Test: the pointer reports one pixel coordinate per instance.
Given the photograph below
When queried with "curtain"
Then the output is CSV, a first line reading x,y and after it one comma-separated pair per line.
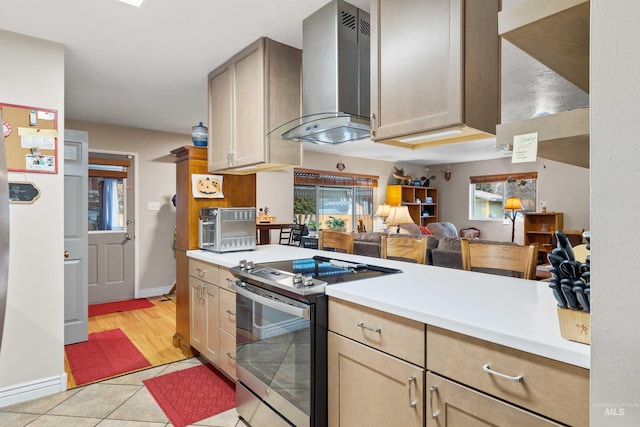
x,y
110,211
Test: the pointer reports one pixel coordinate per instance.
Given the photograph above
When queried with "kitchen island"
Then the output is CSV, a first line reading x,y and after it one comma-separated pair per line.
x,y
516,313
460,343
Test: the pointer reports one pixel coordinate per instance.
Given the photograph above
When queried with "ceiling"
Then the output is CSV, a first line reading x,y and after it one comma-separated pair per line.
x,y
148,67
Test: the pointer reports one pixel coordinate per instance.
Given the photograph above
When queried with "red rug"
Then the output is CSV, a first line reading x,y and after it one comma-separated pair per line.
x,y
104,355
116,306
192,394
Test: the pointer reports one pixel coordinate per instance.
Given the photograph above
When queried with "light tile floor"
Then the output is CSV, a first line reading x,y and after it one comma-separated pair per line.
x,y
117,402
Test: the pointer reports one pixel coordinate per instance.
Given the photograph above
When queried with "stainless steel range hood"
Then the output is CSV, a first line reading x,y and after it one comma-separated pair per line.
x,y
335,77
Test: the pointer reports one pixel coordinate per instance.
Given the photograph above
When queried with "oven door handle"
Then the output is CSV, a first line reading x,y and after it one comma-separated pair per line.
x,y
273,303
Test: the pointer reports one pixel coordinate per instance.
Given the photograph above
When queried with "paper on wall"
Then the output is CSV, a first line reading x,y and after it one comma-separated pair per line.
x,y
525,148
207,186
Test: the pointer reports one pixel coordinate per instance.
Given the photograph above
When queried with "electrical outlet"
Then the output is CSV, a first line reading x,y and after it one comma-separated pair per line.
x,y
153,206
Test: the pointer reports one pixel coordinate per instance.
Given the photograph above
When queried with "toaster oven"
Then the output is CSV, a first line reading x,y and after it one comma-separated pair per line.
x,y
227,229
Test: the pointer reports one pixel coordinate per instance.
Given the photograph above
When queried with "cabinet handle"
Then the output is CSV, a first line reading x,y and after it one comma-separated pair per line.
x,y
436,412
230,356
412,403
488,370
373,124
231,313
230,282
363,326
201,272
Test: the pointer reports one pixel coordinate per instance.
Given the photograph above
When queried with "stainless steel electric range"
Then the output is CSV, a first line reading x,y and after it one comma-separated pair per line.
x,y
281,337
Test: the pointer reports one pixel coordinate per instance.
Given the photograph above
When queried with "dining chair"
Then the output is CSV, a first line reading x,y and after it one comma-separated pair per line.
x,y
506,259
297,231
404,248
336,240
286,231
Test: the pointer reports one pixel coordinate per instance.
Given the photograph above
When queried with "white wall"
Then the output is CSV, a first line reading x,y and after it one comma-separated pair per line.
x,y
32,73
615,152
156,183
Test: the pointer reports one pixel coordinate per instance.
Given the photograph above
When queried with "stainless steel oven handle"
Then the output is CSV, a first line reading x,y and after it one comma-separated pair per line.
x,y
275,304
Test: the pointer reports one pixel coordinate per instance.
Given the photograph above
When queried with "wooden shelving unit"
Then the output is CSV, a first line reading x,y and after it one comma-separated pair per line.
x,y
422,212
539,227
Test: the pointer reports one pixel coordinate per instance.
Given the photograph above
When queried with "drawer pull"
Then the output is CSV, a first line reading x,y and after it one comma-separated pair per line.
x,y
488,370
230,356
231,313
362,325
434,412
412,403
201,272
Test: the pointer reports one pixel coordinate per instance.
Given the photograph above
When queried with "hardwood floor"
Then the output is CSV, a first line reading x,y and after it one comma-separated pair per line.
x,y
150,330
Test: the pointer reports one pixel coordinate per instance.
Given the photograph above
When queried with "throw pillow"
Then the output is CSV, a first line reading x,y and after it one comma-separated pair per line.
x,y
425,230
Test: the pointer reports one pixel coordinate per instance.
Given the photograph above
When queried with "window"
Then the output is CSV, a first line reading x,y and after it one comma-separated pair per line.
x,y
487,194
317,195
107,184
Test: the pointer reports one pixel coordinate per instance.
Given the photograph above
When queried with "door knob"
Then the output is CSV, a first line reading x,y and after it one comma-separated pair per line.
x,y
128,236
66,254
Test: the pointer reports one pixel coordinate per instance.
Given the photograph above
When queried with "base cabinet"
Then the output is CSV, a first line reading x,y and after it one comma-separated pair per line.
x,y
204,318
213,317
370,388
453,405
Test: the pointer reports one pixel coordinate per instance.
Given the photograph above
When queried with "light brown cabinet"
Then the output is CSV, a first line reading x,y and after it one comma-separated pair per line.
x,y
213,317
422,202
375,367
434,68
254,92
539,227
450,404
543,386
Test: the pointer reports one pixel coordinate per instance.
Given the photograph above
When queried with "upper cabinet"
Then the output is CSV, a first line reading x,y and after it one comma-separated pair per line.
x,y
435,71
556,33
257,90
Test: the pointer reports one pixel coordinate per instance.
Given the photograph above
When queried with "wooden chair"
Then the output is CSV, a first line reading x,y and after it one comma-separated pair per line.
x,y
336,240
404,247
500,258
580,252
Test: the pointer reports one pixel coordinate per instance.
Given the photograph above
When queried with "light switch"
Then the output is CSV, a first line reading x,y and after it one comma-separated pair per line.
x,y
153,206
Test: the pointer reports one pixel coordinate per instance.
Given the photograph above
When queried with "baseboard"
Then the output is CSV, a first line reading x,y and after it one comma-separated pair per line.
x,y
24,392
153,292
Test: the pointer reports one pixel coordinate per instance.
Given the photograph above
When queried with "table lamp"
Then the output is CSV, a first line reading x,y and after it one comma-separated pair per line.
x,y
399,215
383,212
513,204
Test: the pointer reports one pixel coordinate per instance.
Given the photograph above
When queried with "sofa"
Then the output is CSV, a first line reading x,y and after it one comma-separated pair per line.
x,y
443,242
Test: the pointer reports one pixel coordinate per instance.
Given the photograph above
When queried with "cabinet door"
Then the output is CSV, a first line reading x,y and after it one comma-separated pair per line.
x,y
371,388
416,66
220,117
450,404
227,360
212,298
249,106
198,317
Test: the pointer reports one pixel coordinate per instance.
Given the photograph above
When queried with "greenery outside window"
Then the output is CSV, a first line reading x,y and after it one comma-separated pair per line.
x,y
320,195
488,193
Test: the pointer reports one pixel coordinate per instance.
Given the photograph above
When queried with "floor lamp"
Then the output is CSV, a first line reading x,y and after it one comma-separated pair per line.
x,y
513,204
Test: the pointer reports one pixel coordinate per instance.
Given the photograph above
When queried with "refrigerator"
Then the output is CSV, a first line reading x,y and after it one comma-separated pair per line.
x,y
4,231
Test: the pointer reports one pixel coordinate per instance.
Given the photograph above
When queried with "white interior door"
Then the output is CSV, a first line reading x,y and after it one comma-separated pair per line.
x,y
111,245
75,236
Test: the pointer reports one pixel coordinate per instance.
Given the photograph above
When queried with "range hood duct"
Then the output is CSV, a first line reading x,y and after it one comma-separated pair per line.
x,y
335,77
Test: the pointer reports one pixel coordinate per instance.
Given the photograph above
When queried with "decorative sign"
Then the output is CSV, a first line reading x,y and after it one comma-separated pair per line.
x,y
207,186
23,192
525,148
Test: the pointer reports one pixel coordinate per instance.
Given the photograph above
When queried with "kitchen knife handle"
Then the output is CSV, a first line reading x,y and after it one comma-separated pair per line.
x,y
562,302
436,412
486,368
567,290
368,328
412,403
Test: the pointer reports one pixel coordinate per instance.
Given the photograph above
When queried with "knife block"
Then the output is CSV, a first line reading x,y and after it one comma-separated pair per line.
x,y
575,325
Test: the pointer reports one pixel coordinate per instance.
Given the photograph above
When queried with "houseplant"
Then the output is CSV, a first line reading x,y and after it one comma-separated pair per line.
x,y
334,223
312,226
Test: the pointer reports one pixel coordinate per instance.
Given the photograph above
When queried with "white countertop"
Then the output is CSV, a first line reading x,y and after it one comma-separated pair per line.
x,y
513,312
